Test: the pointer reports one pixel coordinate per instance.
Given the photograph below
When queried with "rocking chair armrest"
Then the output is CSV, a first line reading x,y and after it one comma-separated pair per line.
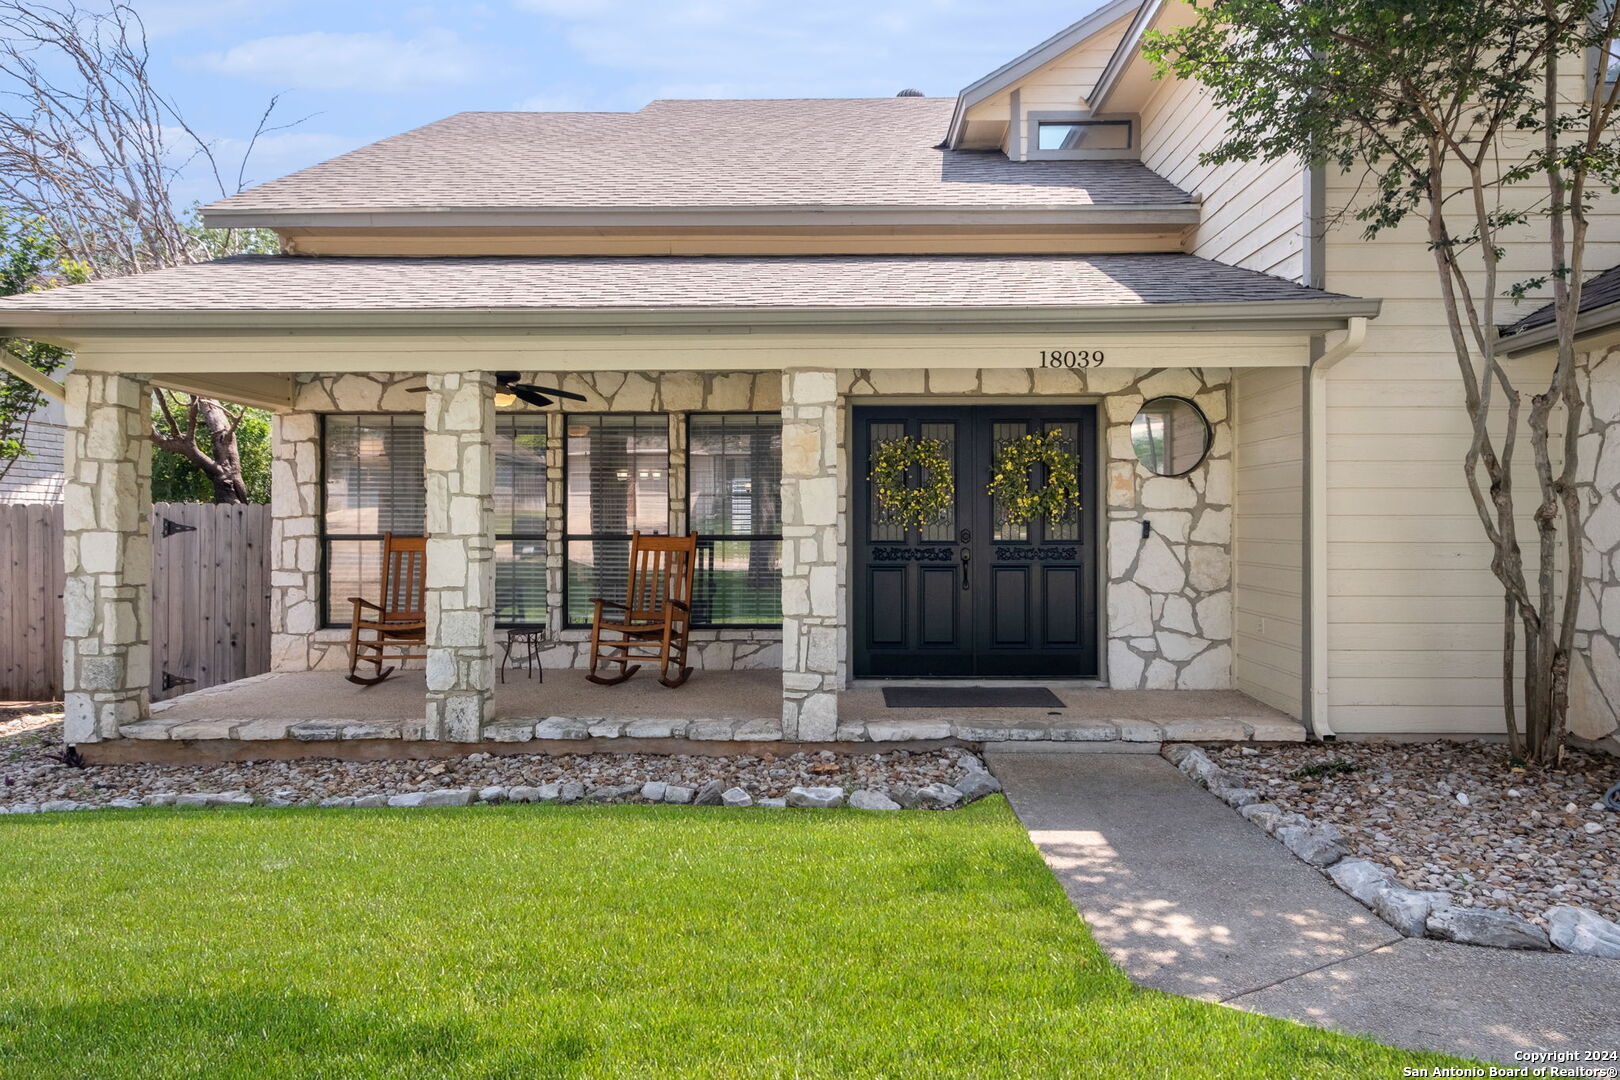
x,y
679,605
602,603
360,601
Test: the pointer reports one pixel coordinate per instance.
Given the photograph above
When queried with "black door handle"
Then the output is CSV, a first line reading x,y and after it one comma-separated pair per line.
x,y
967,557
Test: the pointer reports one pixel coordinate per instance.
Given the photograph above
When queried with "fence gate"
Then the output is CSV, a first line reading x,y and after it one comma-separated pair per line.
x,y
210,595
210,598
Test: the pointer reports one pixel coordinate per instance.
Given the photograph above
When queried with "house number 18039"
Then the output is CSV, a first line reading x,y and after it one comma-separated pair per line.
x,y
1071,358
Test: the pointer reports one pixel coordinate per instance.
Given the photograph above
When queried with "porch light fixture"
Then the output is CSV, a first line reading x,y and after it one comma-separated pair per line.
x,y
505,399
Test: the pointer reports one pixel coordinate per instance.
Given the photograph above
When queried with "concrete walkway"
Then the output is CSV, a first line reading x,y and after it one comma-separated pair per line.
x,y
1189,897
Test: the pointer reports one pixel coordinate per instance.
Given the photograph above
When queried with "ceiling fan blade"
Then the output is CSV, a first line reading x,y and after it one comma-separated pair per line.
x,y
526,393
416,389
569,394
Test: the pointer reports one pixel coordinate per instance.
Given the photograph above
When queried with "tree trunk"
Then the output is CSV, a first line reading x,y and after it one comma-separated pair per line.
x,y
224,467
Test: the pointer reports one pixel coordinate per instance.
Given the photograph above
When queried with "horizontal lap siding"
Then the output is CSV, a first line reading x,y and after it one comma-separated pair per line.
x,y
1415,614
1252,212
1268,535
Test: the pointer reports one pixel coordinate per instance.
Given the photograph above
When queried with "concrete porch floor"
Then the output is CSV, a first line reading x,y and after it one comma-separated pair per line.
x,y
714,706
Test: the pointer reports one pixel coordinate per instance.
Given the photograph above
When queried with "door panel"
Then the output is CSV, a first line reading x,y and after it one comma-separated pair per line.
x,y
973,594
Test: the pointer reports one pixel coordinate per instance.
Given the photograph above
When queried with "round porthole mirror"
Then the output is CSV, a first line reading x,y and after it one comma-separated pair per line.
x,y
1170,436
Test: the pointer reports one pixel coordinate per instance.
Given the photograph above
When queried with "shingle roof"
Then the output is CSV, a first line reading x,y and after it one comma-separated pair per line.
x,y
877,152
1596,292
282,283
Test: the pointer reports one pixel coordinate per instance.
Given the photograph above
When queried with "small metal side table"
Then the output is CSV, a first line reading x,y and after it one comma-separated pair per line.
x,y
528,635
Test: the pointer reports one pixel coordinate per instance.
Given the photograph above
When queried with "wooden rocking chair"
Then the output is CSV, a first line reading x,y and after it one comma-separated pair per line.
x,y
656,616
400,620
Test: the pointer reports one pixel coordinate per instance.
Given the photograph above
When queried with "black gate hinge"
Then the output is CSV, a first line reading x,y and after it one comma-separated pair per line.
x,y
172,681
170,527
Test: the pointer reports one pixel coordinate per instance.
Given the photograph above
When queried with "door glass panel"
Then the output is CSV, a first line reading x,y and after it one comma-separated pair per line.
x,y
1000,436
1068,526
945,435
882,529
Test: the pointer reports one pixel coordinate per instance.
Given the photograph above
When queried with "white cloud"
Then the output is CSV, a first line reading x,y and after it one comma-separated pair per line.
x,y
378,63
764,48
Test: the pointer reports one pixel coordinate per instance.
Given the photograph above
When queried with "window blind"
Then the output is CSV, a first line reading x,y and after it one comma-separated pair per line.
x,y
734,484
617,479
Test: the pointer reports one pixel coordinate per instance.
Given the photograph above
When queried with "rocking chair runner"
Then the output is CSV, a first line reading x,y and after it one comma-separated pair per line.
x,y
656,616
400,620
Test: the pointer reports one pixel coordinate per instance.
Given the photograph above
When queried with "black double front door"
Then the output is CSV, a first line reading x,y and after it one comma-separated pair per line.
x,y
975,595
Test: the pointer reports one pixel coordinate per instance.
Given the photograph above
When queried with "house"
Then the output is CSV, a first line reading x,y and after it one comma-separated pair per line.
x,y
751,298
36,476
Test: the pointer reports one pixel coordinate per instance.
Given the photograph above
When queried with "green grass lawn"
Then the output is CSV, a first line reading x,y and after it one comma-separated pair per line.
x,y
615,941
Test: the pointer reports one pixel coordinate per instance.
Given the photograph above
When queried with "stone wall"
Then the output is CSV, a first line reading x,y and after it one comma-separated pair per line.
x,y
297,641
1169,597
1594,705
107,556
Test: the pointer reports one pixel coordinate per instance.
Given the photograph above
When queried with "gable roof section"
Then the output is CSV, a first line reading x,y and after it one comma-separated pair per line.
x,y
814,161
1044,53
1600,309
1128,49
269,290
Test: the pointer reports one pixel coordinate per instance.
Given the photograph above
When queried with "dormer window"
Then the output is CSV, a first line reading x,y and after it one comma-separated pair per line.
x,y
1063,135
1083,135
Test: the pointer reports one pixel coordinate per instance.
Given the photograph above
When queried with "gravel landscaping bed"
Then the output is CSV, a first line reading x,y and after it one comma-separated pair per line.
x,y
1444,838
34,777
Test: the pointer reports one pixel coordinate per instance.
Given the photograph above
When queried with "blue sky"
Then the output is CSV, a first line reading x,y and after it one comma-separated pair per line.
x,y
363,70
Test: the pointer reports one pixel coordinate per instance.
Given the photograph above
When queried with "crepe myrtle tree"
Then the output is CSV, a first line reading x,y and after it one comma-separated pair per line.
x,y
1488,122
92,151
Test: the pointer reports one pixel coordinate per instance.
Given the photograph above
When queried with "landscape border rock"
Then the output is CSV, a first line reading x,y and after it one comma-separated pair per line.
x,y
1412,912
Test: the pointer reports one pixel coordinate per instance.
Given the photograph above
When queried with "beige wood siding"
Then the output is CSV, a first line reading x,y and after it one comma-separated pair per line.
x,y
1268,535
1414,611
1253,213
1065,82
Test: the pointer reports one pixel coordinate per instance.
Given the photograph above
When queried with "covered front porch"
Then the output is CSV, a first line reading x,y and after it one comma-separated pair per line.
x,y
1171,589
319,713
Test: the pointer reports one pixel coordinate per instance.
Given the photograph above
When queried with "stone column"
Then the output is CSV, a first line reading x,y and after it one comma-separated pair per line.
x,y
459,466
107,555
812,616
295,562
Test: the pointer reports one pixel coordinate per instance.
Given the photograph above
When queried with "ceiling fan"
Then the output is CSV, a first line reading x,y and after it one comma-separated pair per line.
x,y
509,390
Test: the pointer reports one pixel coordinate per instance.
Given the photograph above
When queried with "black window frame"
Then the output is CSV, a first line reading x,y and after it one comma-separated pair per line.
x,y
544,536
325,538
568,537
711,537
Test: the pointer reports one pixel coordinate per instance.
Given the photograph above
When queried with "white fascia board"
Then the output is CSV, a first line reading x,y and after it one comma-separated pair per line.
x,y
449,217
1314,315
1033,60
1593,328
1127,50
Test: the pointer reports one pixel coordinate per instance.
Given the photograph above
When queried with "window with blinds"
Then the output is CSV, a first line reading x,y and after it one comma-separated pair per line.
x,y
617,479
734,485
373,484
520,519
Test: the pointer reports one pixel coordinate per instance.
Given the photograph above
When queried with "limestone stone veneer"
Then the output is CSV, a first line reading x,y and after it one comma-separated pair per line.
x,y
1594,691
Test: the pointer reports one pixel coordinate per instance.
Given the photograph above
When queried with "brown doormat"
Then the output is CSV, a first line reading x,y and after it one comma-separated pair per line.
x,y
970,697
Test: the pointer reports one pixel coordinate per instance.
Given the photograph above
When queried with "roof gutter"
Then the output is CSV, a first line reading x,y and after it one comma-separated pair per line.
x,y
1594,320
1311,315
633,217
1316,513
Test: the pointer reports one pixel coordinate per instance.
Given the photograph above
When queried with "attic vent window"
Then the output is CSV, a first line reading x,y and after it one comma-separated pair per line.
x,y
1084,135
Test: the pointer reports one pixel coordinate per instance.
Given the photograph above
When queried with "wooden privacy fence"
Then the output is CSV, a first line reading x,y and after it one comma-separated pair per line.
x,y
210,598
